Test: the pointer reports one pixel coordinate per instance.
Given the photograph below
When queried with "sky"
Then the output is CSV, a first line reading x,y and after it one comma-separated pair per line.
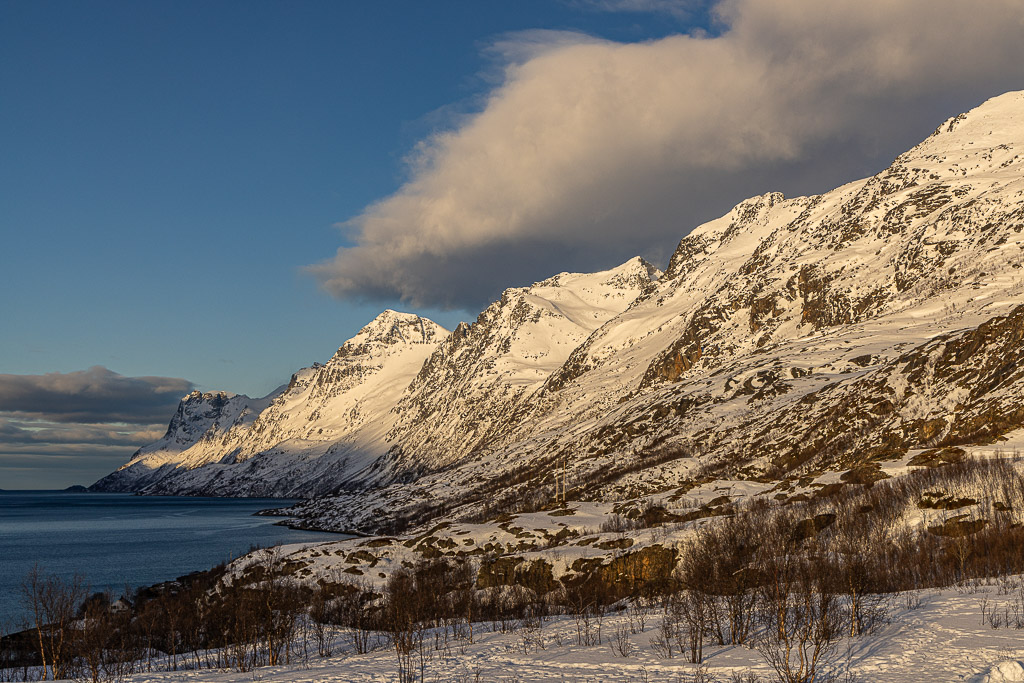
x,y
211,196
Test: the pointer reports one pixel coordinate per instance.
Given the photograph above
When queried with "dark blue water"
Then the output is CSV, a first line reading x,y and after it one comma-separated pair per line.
x,y
115,540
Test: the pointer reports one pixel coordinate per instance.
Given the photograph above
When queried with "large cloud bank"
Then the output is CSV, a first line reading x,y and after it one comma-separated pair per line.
x,y
93,395
589,151
79,424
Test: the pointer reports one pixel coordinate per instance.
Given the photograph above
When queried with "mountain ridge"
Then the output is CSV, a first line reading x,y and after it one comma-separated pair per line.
x,y
282,437
780,312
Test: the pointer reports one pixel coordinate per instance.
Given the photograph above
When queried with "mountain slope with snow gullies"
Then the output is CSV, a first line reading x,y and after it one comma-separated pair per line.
x,y
481,380
201,424
309,438
788,337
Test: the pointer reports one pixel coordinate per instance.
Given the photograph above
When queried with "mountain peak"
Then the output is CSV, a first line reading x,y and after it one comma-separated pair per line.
x,y
196,396
636,271
392,327
1001,116
981,142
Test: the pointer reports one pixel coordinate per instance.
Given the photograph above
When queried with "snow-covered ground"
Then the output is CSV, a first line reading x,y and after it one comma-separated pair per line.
x,y
931,636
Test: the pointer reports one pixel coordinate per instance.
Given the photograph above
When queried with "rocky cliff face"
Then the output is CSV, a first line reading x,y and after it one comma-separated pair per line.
x,y
201,423
310,437
788,336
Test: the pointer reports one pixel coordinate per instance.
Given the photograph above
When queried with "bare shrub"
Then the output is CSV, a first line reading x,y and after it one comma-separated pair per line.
x,y
52,602
664,642
620,644
802,624
637,616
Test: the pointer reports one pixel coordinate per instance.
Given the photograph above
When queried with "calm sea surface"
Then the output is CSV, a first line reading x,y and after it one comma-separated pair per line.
x,y
115,539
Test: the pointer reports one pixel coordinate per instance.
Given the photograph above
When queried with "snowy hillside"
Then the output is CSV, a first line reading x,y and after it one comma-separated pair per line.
x,y
308,439
476,386
934,636
789,337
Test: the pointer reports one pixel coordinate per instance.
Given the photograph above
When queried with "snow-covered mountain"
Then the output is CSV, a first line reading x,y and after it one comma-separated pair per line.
x,y
201,424
478,384
402,385
306,438
788,336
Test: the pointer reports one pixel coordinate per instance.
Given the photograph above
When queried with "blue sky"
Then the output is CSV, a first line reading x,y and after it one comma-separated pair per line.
x,y
169,167
170,170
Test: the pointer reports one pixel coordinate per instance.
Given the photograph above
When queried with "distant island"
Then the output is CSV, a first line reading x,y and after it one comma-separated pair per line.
x,y
77,488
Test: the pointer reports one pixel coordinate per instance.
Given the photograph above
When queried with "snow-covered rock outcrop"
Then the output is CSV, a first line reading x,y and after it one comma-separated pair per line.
x,y
307,438
199,427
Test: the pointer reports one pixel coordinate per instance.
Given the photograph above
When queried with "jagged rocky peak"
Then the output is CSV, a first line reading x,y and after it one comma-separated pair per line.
x,y
635,272
480,378
391,339
982,145
941,220
197,413
531,330
704,239
392,328
567,304
332,413
969,152
196,405
210,397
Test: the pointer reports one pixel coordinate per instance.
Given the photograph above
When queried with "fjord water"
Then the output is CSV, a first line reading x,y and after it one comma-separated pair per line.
x,y
116,540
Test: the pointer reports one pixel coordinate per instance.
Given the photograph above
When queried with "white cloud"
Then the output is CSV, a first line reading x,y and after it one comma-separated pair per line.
x,y
591,151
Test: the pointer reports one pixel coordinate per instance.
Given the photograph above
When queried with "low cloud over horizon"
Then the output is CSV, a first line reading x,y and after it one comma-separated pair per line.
x,y
82,424
590,151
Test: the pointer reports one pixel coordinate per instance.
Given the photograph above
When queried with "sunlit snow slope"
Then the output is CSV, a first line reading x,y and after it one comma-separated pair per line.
x,y
789,335
310,438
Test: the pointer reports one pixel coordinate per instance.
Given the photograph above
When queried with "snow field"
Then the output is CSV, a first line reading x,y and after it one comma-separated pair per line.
x,y
931,637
